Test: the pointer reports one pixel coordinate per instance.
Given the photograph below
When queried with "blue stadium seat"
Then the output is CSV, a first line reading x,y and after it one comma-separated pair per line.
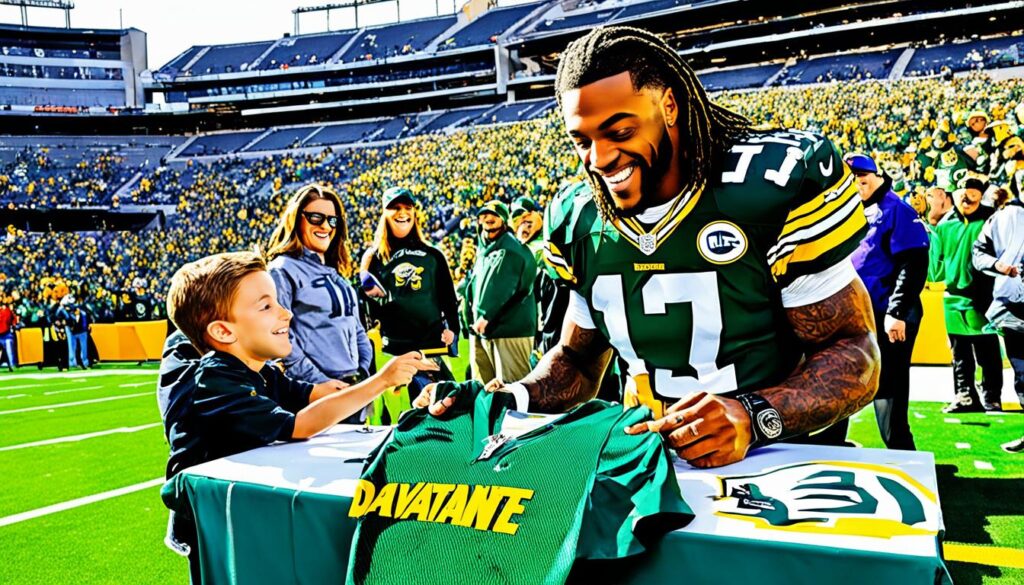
x,y
220,143
397,39
180,61
282,138
305,50
463,116
738,78
594,18
483,30
344,133
842,67
228,58
988,53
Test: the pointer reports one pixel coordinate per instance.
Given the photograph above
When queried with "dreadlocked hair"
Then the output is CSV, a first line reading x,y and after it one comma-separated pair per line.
x,y
652,64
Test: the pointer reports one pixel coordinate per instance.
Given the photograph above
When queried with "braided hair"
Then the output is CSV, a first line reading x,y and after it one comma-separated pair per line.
x,y
652,64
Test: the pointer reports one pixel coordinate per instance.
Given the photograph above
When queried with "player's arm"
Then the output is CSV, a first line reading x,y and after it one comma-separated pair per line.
x,y
571,372
840,374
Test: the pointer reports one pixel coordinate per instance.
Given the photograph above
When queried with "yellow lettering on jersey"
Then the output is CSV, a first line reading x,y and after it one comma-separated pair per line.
x,y
362,498
512,506
443,503
406,494
455,507
441,491
421,505
638,267
384,501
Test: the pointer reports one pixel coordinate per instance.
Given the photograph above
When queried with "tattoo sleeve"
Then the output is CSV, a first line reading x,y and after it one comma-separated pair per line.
x,y
571,372
840,373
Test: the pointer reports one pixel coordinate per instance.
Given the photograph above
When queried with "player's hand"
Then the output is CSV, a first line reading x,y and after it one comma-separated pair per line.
x,y
426,400
447,337
895,328
480,326
704,429
1007,269
400,370
375,293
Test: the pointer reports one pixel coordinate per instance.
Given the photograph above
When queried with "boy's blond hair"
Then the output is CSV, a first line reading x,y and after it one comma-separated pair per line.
x,y
202,292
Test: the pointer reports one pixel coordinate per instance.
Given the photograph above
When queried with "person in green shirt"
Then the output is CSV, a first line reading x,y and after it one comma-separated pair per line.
x,y
501,307
968,295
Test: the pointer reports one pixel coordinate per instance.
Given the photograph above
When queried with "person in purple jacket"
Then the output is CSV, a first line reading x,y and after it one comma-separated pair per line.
x,y
892,260
310,263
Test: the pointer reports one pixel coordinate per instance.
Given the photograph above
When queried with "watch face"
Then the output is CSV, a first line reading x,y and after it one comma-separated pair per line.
x,y
770,423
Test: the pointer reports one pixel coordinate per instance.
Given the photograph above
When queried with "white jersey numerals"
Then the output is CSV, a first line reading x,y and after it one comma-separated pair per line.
x,y
700,290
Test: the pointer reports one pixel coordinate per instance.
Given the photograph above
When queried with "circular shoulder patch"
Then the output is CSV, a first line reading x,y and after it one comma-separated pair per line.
x,y
721,242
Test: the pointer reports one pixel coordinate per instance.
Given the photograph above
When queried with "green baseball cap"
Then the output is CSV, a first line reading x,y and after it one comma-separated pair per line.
x,y
496,207
523,204
397,194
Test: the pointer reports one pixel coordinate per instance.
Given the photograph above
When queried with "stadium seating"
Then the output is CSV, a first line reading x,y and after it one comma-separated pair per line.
x,y
220,143
282,138
485,29
305,50
344,133
841,67
989,53
460,117
228,58
573,21
738,78
396,39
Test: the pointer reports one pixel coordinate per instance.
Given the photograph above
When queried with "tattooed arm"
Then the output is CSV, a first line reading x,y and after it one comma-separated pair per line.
x,y
567,375
838,378
571,372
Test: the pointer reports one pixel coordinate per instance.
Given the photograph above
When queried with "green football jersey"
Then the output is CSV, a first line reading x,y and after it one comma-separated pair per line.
x,y
454,499
693,302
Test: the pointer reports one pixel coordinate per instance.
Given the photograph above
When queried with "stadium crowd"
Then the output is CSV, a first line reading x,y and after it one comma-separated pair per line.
x,y
924,133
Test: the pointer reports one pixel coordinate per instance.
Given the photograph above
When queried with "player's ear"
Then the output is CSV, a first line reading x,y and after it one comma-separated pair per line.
x,y
669,107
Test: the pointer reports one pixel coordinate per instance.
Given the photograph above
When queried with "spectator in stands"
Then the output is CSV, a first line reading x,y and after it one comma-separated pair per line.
x,y
892,261
501,305
527,221
411,295
311,264
968,296
8,321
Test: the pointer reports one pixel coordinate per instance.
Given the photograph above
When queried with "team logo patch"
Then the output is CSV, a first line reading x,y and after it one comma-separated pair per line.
x,y
831,497
648,244
407,274
721,242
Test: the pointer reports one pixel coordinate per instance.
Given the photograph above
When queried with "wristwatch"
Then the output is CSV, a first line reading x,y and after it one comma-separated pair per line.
x,y
765,422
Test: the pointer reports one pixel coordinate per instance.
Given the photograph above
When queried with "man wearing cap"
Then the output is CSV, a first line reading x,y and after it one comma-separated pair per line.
x,y
892,260
502,311
527,221
968,296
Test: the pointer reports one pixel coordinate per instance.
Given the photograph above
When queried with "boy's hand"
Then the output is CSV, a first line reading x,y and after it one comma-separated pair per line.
x,y
400,370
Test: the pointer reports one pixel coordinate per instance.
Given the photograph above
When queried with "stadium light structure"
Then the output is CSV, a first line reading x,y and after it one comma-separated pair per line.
x,y
55,4
354,4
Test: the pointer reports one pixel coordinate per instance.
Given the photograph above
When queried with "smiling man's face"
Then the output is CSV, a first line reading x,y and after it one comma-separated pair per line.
x,y
628,138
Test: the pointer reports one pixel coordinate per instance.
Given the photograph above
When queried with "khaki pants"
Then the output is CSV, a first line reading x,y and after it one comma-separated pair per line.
x,y
506,358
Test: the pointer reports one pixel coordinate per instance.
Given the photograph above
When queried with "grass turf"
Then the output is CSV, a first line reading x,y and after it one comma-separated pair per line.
x,y
120,540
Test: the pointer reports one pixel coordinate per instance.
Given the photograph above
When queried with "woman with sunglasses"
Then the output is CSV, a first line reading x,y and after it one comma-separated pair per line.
x,y
310,263
411,294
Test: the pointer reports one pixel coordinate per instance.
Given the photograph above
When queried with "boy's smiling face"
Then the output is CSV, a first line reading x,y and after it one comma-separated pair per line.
x,y
258,327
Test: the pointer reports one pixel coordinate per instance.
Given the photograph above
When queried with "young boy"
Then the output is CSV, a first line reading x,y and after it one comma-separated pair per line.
x,y
230,400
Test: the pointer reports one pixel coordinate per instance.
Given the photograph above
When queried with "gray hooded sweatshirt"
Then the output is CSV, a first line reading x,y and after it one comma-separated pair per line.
x,y
328,339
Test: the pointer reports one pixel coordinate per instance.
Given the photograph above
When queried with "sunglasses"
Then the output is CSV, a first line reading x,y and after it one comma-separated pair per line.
x,y
315,218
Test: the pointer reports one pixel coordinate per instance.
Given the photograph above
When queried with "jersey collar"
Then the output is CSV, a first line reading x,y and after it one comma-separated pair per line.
x,y
648,241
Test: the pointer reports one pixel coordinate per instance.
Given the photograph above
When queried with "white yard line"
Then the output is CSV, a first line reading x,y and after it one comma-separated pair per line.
x,y
984,466
963,445
78,375
72,390
23,386
76,503
75,438
137,384
14,396
94,400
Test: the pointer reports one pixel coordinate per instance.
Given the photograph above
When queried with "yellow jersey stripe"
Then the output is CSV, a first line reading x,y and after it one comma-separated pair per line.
x,y
814,248
822,213
818,201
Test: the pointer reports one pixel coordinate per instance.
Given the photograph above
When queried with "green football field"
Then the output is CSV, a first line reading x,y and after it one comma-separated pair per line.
x,y
82,456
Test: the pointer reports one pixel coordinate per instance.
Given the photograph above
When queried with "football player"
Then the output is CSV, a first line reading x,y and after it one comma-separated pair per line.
x,y
714,258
